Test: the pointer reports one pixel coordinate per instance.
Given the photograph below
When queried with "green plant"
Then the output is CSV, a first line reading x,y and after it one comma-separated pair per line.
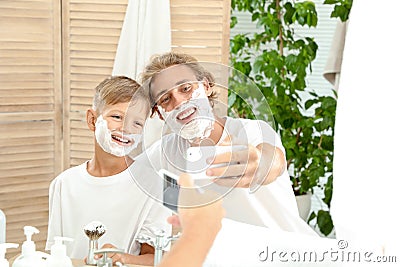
x,y
277,60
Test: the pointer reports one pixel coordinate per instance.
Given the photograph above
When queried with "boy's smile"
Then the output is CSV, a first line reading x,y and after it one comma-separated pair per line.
x,y
121,140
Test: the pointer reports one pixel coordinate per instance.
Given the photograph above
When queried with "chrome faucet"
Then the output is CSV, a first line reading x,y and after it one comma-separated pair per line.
x,y
105,261
159,241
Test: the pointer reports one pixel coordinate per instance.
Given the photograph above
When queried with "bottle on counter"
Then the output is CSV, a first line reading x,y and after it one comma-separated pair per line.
x,y
29,256
3,248
58,255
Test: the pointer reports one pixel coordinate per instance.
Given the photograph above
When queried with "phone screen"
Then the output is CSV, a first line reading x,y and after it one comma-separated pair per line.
x,y
170,192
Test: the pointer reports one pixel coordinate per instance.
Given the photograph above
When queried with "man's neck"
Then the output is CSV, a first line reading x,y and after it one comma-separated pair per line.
x,y
217,132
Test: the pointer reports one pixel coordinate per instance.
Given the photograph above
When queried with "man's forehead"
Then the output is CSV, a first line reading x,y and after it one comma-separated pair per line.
x,y
170,78
173,76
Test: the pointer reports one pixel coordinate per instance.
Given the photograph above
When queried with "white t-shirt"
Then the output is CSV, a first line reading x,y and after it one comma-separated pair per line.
x,y
273,205
76,198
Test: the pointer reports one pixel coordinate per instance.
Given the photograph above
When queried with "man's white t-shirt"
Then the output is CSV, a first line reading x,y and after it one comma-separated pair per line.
x,y
273,205
76,198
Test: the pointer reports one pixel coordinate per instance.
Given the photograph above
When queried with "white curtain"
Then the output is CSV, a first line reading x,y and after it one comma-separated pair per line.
x,y
146,31
366,188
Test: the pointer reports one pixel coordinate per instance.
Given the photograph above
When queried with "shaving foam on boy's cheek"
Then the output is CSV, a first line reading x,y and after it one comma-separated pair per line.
x,y
104,139
198,128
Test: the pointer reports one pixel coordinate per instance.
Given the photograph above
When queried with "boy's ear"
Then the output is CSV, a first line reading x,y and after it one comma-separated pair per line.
x,y
91,119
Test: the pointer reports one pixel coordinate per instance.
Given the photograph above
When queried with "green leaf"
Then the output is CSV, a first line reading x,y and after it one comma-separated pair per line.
x,y
324,222
328,190
328,102
327,142
231,98
311,217
288,123
234,21
330,2
289,14
255,16
243,67
309,103
258,65
314,21
236,44
341,8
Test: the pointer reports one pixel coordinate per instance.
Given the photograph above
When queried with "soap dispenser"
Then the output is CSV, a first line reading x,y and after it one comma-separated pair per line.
x,y
29,256
58,256
3,248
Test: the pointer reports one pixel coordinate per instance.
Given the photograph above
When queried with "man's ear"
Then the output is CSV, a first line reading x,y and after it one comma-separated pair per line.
x,y
91,118
154,111
207,86
159,115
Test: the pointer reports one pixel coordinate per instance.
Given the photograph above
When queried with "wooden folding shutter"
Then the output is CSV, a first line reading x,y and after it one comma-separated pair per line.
x,y
44,99
201,29
30,113
91,35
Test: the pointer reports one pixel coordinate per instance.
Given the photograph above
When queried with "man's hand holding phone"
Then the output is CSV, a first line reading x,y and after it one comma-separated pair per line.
x,y
197,208
211,162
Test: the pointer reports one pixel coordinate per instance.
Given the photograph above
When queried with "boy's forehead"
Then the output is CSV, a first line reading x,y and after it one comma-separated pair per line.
x,y
121,106
139,103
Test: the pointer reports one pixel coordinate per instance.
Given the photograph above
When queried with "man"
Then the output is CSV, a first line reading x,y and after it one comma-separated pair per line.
x,y
181,94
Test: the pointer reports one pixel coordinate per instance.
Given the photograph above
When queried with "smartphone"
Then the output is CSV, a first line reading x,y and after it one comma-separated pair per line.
x,y
171,189
197,162
199,159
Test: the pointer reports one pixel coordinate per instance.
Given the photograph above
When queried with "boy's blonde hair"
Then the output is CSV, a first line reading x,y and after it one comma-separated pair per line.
x,y
117,89
160,62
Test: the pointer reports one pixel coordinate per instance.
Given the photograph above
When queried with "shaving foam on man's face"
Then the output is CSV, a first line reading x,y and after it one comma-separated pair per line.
x,y
192,119
113,141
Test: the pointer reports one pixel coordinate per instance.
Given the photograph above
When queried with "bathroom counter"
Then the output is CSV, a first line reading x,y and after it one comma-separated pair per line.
x,y
80,263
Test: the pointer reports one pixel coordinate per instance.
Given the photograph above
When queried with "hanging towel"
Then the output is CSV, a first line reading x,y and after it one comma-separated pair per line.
x,y
334,62
146,31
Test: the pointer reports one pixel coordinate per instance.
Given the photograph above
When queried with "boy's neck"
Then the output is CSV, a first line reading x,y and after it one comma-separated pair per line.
x,y
104,164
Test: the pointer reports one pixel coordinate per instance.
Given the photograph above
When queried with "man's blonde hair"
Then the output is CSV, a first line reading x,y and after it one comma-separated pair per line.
x,y
158,63
117,89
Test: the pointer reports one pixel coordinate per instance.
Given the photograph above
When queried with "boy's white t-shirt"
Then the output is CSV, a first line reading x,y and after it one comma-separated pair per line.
x,y
76,198
273,205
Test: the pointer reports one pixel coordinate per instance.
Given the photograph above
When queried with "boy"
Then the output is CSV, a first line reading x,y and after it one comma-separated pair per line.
x,y
102,189
181,94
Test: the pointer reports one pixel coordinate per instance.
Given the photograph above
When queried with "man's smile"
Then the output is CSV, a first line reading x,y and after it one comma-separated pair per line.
x,y
187,115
